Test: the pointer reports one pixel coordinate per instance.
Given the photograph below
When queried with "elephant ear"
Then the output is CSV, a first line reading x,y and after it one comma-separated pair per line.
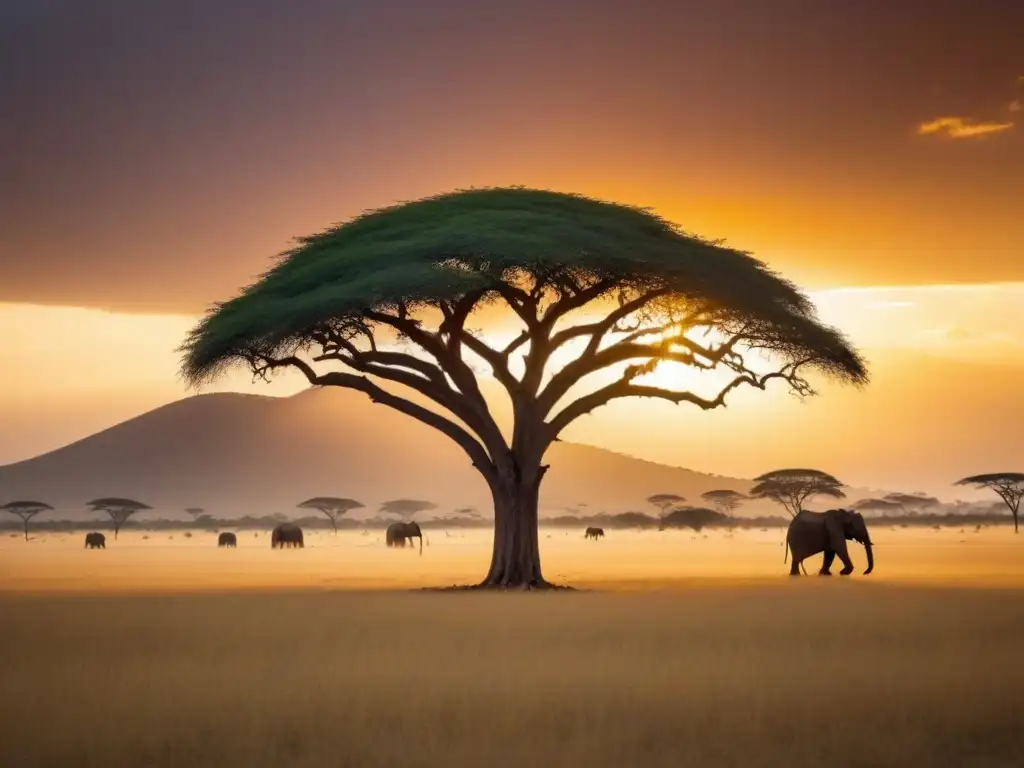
x,y
835,520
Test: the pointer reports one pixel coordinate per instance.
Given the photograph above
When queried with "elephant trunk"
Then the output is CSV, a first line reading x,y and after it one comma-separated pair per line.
x,y
421,544
871,557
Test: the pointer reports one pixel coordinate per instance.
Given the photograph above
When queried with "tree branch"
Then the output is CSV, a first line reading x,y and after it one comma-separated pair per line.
x,y
262,364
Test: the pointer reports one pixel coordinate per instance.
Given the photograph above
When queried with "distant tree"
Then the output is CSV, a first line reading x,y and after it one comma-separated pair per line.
x,y
725,499
632,520
912,502
406,508
195,512
665,501
119,510
331,506
467,512
1009,486
385,304
792,487
878,505
26,510
694,517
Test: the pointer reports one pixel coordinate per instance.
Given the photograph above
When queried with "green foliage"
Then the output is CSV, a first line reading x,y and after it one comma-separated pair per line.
x,y
445,247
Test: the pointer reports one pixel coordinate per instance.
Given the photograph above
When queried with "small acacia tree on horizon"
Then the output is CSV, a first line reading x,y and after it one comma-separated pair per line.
x,y
725,499
406,509
1009,486
665,501
388,299
331,506
793,487
119,510
26,510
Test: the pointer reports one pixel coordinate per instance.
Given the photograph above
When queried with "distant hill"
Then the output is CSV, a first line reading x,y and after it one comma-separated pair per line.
x,y
240,455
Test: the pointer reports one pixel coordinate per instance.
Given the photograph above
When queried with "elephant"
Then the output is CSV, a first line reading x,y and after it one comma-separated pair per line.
x,y
95,541
227,540
397,533
813,532
594,533
286,535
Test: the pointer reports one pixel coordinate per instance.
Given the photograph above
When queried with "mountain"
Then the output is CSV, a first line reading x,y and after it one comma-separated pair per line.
x,y
237,454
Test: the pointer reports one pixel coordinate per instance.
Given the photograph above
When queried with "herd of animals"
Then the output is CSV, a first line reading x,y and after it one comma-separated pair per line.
x,y
289,535
809,534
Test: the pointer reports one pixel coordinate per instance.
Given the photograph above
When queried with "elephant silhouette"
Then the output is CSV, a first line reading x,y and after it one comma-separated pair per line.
x,y
227,540
95,541
397,533
286,535
812,532
594,533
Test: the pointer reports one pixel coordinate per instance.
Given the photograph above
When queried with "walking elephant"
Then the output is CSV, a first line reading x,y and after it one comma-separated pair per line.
x,y
286,535
227,540
95,541
594,533
813,532
397,533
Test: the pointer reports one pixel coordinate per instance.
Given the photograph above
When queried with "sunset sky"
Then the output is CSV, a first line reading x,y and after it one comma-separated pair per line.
x,y
156,155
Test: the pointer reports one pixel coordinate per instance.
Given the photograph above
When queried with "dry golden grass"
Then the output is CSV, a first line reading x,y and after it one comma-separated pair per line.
x,y
845,673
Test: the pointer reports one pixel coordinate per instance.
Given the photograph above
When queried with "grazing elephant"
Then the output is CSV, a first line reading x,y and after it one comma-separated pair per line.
x,y
813,532
286,535
227,540
95,541
594,533
397,533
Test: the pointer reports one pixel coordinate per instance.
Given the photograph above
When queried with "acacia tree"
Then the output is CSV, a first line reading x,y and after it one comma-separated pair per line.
x,y
388,299
914,502
883,505
406,508
725,499
26,510
119,510
665,501
793,487
195,512
693,517
332,507
1009,486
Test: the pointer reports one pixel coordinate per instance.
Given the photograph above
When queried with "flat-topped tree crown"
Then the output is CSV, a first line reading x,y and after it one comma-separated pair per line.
x,y
793,487
332,507
334,305
26,510
118,509
1009,486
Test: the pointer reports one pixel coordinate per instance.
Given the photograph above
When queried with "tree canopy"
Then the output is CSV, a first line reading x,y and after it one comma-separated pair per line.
x,y
665,501
406,508
1009,486
118,509
26,510
387,299
332,507
694,517
725,499
793,487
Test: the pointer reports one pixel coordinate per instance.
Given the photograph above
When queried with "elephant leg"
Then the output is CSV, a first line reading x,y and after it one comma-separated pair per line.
x,y
826,564
847,564
795,568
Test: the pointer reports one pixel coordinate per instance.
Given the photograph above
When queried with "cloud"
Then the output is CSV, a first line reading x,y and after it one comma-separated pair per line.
x,y
962,127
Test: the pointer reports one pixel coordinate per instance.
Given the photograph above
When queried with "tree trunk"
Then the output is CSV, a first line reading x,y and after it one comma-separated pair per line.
x,y
515,562
26,529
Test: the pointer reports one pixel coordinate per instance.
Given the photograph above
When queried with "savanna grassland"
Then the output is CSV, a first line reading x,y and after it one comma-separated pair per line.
x,y
706,670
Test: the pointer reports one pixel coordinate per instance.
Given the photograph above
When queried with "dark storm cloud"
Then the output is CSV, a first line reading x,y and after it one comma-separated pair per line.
x,y
156,153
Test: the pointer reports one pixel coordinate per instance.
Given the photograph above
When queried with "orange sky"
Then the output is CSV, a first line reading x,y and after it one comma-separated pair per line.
x,y
160,156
